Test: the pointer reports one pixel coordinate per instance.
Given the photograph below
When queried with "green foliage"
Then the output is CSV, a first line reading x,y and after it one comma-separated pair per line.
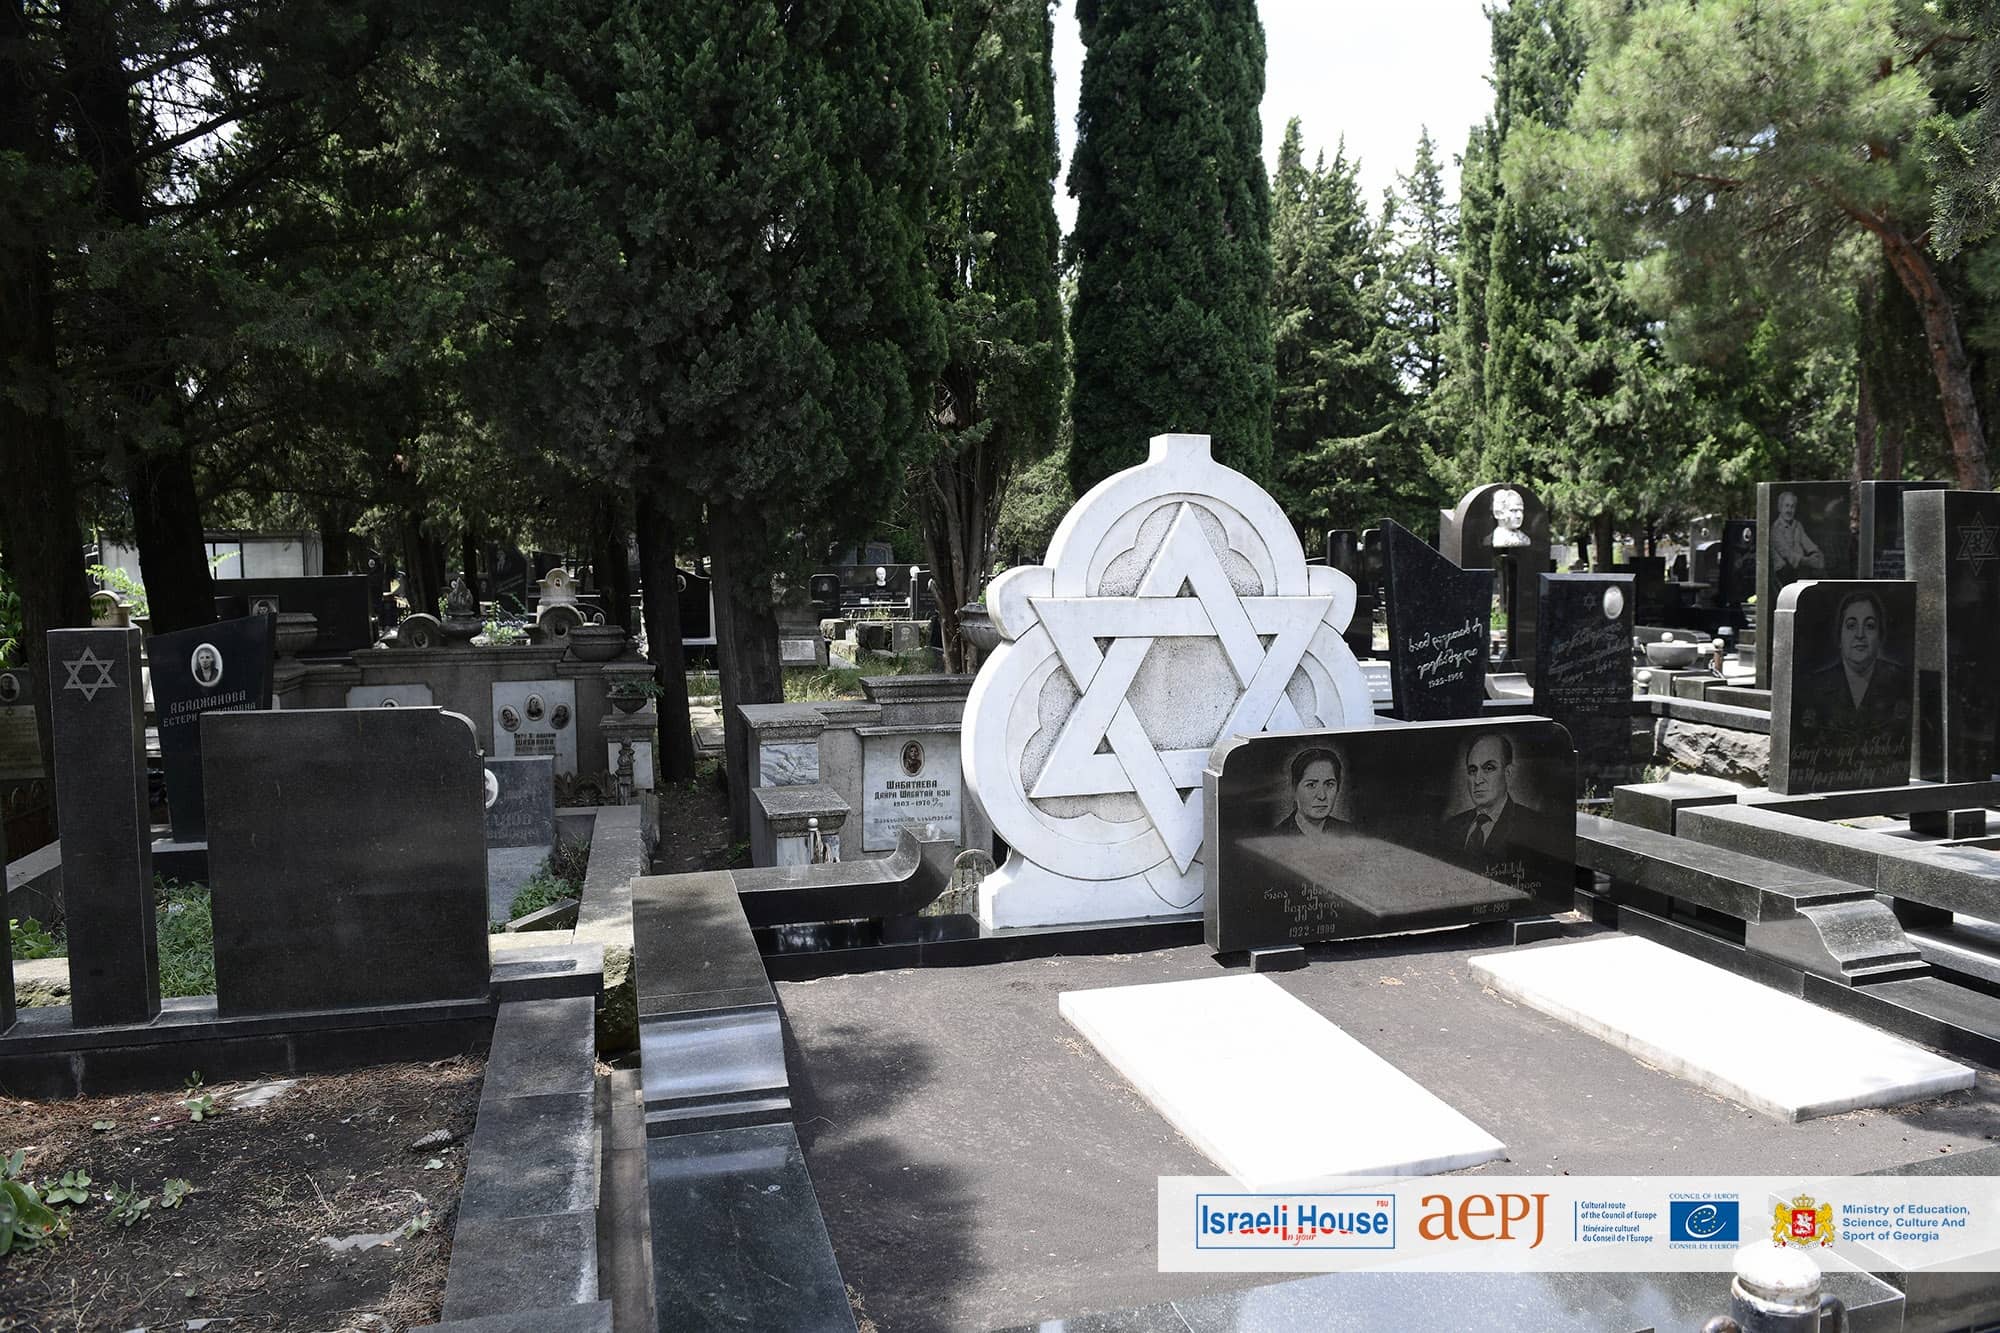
x,y
1342,453
174,1192
1962,145
71,1187
25,1220
128,589
27,940
200,1107
128,1206
1172,322
186,934
497,633
1036,502
11,628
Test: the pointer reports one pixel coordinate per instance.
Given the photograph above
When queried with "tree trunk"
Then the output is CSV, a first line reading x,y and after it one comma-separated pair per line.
x,y
1948,359
173,559
468,557
610,562
746,643
661,588
1602,526
336,537
1864,425
41,548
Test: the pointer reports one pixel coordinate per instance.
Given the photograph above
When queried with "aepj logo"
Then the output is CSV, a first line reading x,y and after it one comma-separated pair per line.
x,y
1713,1220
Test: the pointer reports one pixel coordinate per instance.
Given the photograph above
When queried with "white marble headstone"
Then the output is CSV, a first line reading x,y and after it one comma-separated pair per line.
x,y
1176,609
535,717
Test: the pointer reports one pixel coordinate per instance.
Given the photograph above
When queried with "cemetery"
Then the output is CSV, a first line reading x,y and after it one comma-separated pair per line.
x,y
642,689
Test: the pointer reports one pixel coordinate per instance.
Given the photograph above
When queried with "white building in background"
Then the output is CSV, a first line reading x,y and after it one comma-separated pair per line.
x,y
237,555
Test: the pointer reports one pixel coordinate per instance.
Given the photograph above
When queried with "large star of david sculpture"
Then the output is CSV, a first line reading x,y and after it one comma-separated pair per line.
x,y
1176,610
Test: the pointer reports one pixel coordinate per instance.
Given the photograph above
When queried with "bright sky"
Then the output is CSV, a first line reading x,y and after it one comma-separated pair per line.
x,y
1373,72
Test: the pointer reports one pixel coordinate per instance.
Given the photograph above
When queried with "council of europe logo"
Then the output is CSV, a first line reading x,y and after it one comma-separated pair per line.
x,y
1714,1220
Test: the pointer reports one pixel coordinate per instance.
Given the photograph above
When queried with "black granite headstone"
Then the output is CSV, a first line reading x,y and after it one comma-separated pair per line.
x,y
1324,835
1804,533
521,802
1343,552
1437,629
347,858
98,712
1504,528
1583,672
1842,697
697,607
1649,588
211,668
339,602
1953,544
1879,553
6,982
1736,567
1371,578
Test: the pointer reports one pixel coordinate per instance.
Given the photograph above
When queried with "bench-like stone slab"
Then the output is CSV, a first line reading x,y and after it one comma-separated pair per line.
x,y
1771,1052
1234,1062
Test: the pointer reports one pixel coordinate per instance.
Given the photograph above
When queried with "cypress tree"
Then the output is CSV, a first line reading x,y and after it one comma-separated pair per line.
x,y
1172,321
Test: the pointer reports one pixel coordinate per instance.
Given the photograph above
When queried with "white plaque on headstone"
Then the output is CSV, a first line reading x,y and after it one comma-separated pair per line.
x,y
533,718
908,777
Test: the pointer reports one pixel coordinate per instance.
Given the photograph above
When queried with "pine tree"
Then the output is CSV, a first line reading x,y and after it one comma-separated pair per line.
x,y
1426,244
993,250
1339,456
1172,321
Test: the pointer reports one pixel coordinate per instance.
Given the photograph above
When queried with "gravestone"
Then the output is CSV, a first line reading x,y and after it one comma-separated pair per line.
x,y
339,604
907,777
520,802
212,668
1583,672
20,735
98,714
1330,834
1504,528
1343,552
347,858
1842,698
1649,588
534,718
1879,554
1437,629
696,602
1803,533
417,694
1176,608
1736,567
1953,541
7,981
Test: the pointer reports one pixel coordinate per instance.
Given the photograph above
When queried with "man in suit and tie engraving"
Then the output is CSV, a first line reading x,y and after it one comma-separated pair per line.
x,y
1499,834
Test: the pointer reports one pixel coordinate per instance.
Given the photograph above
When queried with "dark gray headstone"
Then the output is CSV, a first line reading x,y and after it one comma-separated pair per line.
x,y
1649,588
520,802
1371,577
1953,541
338,602
1736,569
1437,629
1842,697
697,607
347,858
1583,671
6,982
1803,533
1504,528
212,668
98,713
1326,835
1879,538
1343,552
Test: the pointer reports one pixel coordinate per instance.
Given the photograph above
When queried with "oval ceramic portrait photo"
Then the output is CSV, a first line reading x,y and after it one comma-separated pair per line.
x,y
205,665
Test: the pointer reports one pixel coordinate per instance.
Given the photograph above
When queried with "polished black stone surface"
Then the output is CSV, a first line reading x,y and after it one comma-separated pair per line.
x,y
1331,834
1649,588
738,1240
521,802
347,858
1654,805
1714,877
531,1156
1437,629
1804,533
7,981
1843,696
211,668
593,1317
98,717
1583,671
1505,528
692,948
542,1047
1880,549
339,603
1736,574
513,1265
1954,558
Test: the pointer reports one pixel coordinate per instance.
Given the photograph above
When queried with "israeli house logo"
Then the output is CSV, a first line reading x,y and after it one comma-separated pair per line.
x,y
1294,1222
1711,1221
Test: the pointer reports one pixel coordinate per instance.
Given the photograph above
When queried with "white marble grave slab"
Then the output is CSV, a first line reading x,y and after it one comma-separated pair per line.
x,y
1770,1051
535,717
1269,1090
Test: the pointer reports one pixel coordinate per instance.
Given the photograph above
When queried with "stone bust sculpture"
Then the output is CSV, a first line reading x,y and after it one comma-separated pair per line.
x,y
459,603
1510,516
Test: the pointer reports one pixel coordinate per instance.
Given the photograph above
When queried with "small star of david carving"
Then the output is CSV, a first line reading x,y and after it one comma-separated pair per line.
x,y
76,668
1976,543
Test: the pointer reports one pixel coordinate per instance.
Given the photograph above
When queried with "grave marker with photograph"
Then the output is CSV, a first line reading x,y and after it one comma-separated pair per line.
x,y
211,668
1802,533
1842,698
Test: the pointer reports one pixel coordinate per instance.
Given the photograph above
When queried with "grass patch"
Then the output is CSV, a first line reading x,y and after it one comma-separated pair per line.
x,y
186,939
559,877
27,940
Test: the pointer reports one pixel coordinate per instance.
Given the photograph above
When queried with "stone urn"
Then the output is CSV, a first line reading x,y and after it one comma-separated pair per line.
x,y
295,630
625,683
596,643
978,628
1672,654
555,624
